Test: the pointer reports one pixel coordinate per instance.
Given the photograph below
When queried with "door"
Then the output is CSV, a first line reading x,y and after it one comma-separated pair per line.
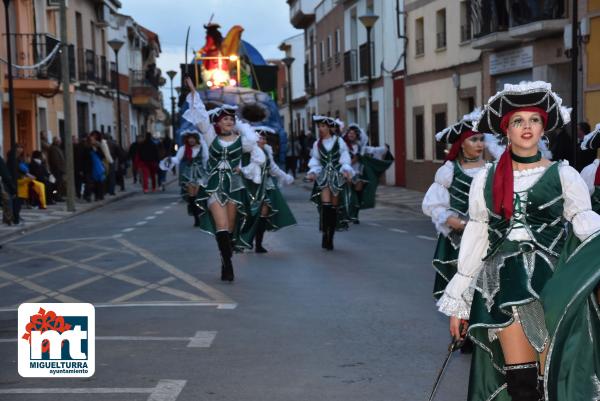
x,y
399,132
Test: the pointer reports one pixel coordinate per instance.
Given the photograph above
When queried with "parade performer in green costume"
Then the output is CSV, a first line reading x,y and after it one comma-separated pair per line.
x,y
228,200
368,163
330,168
528,263
591,173
273,211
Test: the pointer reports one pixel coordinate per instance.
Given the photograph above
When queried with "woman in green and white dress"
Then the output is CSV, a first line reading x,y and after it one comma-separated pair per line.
x,y
331,170
272,211
368,163
191,159
591,173
447,199
528,263
228,200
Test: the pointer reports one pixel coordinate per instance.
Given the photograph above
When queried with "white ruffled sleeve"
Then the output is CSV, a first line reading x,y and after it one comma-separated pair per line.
x,y
314,164
178,156
249,136
345,159
204,151
275,171
197,115
378,152
473,246
589,175
578,205
436,203
253,170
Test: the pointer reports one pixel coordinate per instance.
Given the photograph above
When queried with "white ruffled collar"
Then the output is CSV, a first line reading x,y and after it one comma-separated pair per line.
x,y
529,172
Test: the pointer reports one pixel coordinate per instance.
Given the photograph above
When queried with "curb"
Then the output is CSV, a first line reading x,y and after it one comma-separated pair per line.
x,y
40,226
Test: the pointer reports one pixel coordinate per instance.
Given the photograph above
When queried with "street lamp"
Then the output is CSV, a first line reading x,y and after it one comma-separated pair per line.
x,y
171,74
116,45
11,100
288,63
368,20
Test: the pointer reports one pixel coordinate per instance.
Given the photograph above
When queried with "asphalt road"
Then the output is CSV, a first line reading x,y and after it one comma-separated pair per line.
x,y
298,324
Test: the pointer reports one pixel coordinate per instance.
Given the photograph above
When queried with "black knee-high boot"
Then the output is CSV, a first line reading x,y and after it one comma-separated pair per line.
x,y
325,213
225,247
332,225
522,381
260,233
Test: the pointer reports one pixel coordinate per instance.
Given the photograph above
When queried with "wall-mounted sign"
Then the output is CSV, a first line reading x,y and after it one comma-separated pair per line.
x,y
511,60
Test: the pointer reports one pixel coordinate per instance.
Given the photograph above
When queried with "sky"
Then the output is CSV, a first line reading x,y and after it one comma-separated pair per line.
x,y
266,24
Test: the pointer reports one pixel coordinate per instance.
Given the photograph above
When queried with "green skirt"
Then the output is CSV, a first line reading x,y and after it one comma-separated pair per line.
x,y
573,320
347,198
445,260
372,171
510,281
227,186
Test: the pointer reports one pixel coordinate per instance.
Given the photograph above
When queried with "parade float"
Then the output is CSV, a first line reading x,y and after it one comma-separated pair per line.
x,y
229,70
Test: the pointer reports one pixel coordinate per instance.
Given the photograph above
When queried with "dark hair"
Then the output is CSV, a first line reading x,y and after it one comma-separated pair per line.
x,y
36,154
585,127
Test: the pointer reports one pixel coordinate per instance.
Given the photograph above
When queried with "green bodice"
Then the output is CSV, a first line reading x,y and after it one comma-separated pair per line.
x,y
459,190
539,210
218,154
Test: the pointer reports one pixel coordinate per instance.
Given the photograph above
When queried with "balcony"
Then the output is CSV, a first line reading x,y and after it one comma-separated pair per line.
x,y
441,40
34,48
419,47
500,26
302,13
144,89
363,54
350,66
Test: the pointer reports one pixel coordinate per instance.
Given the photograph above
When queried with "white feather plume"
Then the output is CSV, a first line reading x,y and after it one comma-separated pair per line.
x,y
588,137
493,145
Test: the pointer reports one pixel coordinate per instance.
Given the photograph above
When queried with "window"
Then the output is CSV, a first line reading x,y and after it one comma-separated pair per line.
x,y
439,123
329,46
322,50
338,44
419,37
440,22
370,8
465,21
419,128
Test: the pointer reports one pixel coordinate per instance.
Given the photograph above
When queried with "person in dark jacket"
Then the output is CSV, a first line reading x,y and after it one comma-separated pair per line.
x,y
78,148
94,180
56,165
37,168
134,156
7,193
148,153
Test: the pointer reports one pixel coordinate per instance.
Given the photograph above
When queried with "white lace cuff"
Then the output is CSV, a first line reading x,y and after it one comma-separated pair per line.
x,y
252,172
440,221
346,168
453,307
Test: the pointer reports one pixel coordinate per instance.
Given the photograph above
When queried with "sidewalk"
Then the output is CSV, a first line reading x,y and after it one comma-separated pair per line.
x,y
389,195
35,219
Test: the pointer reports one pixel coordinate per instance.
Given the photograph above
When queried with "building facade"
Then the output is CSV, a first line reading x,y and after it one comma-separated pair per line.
x,y
590,37
443,81
35,33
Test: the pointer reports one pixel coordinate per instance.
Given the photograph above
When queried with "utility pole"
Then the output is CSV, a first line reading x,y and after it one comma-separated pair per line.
x,y
11,99
66,76
574,79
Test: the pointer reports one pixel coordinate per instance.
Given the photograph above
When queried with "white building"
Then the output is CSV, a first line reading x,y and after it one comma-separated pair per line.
x,y
294,47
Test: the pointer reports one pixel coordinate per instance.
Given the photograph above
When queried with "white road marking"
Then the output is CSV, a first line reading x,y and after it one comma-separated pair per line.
x,y
202,339
169,304
165,390
150,217
374,224
141,223
117,236
397,230
426,238
128,230
96,256
159,212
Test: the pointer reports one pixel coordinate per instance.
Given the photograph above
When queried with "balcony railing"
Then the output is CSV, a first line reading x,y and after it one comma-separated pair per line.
x,y
441,40
491,17
420,47
363,53
465,33
308,79
33,48
350,66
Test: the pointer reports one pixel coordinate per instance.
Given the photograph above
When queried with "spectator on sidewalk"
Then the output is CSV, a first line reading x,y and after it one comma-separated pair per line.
x,y
57,167
134,156
29,190
78,165
37,168
148,154
7,193
93,167
292,153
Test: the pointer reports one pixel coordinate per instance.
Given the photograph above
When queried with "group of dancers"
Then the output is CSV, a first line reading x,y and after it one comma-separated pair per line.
x,y
518,255
230,179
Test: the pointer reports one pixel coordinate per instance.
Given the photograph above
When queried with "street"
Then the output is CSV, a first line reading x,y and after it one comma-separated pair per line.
x,y
298,323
